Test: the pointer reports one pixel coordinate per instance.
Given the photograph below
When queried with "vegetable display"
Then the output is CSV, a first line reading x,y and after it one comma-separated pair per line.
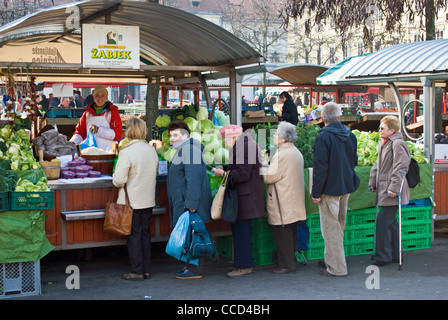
x,y
16,149
205,132
24,185
368,148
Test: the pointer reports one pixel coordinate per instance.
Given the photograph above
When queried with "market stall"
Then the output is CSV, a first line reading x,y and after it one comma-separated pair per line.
x,y
42,47
413,65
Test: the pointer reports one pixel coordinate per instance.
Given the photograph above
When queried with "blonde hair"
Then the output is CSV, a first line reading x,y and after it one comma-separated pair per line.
x,y
136,129
392,122
99,89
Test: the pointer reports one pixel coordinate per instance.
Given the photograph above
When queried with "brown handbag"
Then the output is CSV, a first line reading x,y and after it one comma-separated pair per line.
x,y
118,219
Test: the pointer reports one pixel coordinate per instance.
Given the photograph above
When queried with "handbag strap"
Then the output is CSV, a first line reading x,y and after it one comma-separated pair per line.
x,y
224,180
126,195
278,203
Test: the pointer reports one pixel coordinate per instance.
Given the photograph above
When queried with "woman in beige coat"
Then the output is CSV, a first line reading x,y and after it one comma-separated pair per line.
x,y
386,177
285,195
137,168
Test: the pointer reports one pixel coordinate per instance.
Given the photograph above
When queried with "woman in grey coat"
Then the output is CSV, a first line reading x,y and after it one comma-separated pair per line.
x,y
187,184
386,177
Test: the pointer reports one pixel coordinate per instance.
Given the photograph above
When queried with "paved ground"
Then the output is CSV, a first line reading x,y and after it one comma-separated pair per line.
x,y
424,276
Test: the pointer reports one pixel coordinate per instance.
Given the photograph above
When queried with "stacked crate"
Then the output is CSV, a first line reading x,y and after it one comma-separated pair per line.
x,y
358,234
263,244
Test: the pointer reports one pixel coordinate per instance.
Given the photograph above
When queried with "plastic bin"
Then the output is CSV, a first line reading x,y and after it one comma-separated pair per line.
x,y
4,201
261,225
417,213
42,200
224,246
262,257
19,279
418,203
361,217
263,241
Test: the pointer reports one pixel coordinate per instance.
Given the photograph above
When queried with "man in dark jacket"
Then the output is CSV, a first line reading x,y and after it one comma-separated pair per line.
x,y
334,178
187,184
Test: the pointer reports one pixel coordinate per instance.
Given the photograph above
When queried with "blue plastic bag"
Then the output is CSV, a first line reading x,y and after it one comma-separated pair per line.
x,y
177,239
89,141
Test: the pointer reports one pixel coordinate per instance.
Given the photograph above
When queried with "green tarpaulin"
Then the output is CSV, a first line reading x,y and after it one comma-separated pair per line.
x,y
22,236
363,198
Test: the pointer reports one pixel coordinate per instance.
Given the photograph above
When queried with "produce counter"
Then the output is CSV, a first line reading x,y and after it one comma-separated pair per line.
x,y
76,221
441,191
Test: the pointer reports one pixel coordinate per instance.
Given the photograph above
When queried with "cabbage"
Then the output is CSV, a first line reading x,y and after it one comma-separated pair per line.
x,y
169,154
196,135
213,145
192,123
221,156
6,132
166,138
163,121
209,157
202,114
206,124
13,150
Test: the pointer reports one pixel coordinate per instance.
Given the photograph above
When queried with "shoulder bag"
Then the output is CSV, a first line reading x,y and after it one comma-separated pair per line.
x,y
218,200
230,203
118,219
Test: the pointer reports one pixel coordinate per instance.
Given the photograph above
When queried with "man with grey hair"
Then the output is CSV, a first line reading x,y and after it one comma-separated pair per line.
x,y
334,178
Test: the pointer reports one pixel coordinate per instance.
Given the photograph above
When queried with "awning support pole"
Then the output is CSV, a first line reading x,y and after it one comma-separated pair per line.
x,y
235,97
397,97
429,117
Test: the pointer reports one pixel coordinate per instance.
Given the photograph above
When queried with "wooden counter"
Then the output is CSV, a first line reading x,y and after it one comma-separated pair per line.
x,y
441,191
76,221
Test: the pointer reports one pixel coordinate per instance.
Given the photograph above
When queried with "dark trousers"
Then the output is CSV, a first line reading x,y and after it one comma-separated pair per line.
x,y
285,242
242,244
386,248
139,241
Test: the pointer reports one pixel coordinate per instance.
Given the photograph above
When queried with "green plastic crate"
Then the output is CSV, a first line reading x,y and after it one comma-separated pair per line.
x,y
360,232
313,221
361,216
31,200
316,235
262,257
316,250
419,213
4,201
416,227
224,247
360,247
418,241
261,225
263,241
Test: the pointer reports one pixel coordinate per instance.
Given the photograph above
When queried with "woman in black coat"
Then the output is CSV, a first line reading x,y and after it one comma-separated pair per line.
x,y
244,166
289,109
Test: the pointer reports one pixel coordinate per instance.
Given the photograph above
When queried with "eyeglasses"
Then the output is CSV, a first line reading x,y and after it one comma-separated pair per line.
x,y
382,128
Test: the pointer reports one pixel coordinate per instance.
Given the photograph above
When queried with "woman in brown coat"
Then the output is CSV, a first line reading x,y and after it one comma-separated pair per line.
x,y
244,165
285,195
387,175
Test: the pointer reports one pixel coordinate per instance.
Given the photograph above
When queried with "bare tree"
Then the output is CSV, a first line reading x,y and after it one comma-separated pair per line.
x,y
254,21
349,14
11,10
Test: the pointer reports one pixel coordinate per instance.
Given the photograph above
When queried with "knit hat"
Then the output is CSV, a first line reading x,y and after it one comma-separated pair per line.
x,y
230,131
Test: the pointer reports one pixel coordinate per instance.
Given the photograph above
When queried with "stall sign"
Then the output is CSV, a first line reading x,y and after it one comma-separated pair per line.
x,y
440,153
110,46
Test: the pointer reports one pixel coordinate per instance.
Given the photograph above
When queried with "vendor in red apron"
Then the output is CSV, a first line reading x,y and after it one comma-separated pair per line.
x,y
102,119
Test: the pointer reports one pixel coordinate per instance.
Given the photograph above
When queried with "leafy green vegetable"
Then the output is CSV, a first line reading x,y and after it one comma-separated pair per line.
x,y
163,121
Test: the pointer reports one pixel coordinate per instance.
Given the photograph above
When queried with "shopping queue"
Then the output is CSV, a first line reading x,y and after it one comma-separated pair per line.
x,y
334,179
